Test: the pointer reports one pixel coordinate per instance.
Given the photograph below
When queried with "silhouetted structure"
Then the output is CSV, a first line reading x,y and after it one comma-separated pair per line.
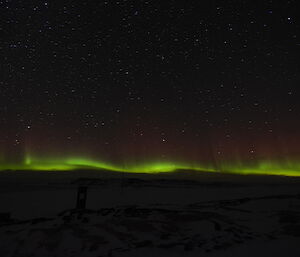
x,y
81,197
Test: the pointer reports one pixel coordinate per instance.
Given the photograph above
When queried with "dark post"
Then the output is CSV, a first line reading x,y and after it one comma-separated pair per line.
x,y
81,197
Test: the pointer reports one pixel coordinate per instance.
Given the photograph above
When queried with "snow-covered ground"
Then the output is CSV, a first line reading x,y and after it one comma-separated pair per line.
x,y
139,215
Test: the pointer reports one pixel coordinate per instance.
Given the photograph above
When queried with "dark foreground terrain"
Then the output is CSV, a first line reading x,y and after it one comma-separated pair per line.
x,y
149,216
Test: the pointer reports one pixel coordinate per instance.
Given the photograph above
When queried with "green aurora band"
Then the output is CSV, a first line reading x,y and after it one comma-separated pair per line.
x,y
269,167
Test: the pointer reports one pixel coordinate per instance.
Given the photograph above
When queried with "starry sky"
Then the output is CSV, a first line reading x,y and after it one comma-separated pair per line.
x,y
197,81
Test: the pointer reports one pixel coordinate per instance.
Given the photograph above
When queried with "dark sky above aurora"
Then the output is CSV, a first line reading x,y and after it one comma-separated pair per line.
x,y
131,82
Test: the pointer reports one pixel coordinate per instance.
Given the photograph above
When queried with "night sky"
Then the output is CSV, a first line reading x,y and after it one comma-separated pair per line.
x,y
139,81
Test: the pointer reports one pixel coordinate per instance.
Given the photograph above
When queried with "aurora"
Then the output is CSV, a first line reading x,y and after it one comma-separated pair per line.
x,y
261,167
